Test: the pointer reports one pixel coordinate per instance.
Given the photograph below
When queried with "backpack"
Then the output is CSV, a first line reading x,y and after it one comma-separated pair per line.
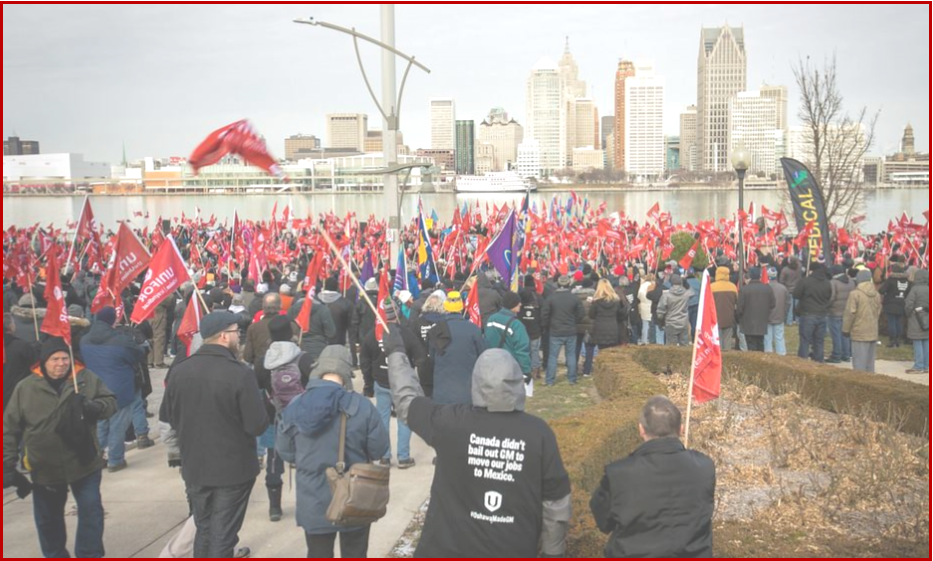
x,y
286,385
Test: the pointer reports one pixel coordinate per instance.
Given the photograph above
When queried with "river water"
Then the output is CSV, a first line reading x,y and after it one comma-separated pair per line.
x,y
684,206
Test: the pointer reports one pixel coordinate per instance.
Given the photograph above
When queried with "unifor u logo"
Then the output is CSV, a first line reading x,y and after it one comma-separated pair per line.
x,y
493,501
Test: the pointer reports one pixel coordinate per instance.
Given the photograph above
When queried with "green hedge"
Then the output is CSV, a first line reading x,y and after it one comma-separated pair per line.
x,y
625,380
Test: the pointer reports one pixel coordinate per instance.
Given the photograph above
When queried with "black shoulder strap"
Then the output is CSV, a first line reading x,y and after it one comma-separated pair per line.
x,y
505,333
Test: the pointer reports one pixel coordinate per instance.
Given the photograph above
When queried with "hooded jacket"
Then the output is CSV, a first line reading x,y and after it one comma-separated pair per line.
x,y
726,296
309,437
863,309
114,357
482,507
674,308
31,419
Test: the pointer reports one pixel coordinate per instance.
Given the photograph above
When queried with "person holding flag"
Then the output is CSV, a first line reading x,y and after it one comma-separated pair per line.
x,y
51,415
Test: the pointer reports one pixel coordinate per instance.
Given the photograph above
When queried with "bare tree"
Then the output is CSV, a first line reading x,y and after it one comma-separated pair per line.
x,y
835,142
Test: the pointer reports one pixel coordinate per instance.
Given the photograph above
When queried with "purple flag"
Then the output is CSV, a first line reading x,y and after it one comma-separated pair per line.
x,y
500,250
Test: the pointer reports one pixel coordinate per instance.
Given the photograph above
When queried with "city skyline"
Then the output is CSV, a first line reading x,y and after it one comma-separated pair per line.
x,y
159,78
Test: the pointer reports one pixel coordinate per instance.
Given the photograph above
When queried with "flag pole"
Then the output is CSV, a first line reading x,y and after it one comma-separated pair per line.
x,y
35,314
693,361
356,281
74,367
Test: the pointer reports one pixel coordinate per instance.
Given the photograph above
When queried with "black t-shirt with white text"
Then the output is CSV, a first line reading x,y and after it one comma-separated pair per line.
x,y
494,471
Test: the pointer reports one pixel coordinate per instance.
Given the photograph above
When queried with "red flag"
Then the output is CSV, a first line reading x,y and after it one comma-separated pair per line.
x,y
87,232
473,306
314,269
654,212
765,278
166,273
707,354
236,138
381,304
128,260
688,258
190,322
56,321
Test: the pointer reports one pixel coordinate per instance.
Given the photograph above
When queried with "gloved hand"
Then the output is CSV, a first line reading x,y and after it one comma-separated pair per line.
x,y
91,409
22,484
9,479
176,463
527,379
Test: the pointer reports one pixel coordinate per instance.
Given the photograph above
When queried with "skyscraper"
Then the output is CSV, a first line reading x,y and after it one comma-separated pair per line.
x,y
347,131
300,146
644,123
546,120
465,148
753,119
443,114
625,70
688,138
504,134
607,126
721,73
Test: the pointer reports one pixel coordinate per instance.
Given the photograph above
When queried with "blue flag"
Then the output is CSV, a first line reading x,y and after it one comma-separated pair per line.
x,y
401,273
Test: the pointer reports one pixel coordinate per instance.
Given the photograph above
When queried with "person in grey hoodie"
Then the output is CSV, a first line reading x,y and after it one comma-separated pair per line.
x,y
842,287
516,506
774,338
674,312
309,437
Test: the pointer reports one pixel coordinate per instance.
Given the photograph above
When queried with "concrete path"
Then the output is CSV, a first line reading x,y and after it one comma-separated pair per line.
x,y
145,505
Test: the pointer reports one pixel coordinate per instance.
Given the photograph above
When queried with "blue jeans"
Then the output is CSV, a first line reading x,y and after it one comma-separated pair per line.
x,y
535,353
112,431
384,405
140,423
49,512
774,340
645,332
895,327
658,334
694,312
570,348
812,338
922,354
790,312
589,351
842,346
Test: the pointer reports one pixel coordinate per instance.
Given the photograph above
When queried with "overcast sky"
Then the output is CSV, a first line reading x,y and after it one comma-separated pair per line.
x,y
158,78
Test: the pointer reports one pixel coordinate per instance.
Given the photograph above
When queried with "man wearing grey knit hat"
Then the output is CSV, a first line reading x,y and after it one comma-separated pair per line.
x,y
860,321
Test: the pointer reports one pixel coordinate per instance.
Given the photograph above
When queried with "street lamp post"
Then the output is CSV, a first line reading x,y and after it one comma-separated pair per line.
x,y
390,107
740,159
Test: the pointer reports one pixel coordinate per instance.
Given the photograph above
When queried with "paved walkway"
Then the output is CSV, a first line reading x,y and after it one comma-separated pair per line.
x,y
146,505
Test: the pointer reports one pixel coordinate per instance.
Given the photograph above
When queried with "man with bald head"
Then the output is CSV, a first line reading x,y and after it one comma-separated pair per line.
x,y
658,502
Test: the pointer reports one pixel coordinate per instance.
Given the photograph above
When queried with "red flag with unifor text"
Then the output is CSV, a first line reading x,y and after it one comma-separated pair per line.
x,y
56,322
128,260
310,282
167,272
706,373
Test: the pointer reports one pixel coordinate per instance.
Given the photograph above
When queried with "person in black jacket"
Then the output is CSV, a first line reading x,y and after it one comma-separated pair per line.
x,y
341,311
20,357
530,315
815,297
756,302
895,290
561,313
375,366
214,405
659,501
